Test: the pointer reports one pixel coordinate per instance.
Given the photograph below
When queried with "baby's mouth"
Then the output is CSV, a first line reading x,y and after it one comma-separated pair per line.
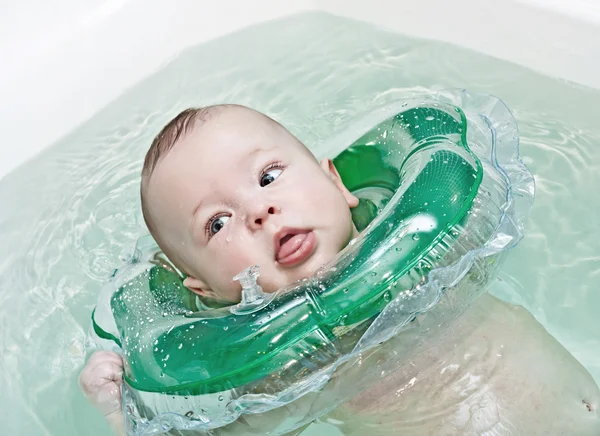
x,y
293,246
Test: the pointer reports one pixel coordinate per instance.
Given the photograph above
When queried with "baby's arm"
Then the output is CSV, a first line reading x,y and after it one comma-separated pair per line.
x,y
100,382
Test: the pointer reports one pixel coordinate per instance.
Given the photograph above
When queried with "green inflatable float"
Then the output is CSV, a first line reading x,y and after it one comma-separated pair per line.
x,y
443,195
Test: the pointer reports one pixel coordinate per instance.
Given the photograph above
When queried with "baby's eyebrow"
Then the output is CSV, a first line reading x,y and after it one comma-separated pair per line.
x,y
195,213
195,218
257,151
197,208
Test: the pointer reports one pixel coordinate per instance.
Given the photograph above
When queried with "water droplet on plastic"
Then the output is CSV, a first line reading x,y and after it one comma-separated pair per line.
x,y
346,290
430,118
225,328
416,237
220,397
398,249
180,346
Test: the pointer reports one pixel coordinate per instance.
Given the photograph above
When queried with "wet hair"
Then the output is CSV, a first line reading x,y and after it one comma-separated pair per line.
x,y
172,132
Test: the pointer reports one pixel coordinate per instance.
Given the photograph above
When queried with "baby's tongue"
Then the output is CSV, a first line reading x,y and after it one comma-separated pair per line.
x,y
290,244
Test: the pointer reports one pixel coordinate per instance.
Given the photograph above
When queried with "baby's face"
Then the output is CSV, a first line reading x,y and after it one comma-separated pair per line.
x,y
240,190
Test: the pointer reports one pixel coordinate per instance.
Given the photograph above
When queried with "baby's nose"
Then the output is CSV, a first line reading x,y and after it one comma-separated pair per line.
x,y
260,215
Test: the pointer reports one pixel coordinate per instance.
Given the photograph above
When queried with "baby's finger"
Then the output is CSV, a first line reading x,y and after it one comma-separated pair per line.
x,y
95,377
109,371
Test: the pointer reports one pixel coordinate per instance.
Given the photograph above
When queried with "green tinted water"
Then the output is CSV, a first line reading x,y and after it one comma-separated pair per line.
x,y
68,215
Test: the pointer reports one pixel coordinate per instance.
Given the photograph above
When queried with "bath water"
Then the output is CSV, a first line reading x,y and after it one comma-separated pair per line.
x,y
68,215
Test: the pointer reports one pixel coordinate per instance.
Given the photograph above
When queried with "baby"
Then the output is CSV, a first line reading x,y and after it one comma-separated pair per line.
x,y
226,187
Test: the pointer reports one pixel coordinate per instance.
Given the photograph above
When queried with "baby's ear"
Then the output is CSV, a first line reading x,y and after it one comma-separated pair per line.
x,y
329,168
199,287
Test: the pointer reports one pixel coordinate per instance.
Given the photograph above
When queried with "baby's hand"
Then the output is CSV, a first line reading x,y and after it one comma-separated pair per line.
x,y
101,381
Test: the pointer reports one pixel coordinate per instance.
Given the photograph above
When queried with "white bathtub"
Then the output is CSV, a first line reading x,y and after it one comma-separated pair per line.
x,y
63,61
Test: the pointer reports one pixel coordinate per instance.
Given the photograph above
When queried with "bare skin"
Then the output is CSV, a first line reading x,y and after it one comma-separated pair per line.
x,y
493,371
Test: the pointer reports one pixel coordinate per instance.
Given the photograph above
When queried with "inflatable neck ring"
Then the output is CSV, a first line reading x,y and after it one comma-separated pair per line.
x,y
443,194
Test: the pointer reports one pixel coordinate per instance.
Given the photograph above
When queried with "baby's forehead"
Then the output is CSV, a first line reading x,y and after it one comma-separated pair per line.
x,y
228,115
237,132
231,125
229,136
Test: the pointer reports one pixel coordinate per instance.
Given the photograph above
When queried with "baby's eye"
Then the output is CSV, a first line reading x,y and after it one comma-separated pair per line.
x,y
270,175
215,224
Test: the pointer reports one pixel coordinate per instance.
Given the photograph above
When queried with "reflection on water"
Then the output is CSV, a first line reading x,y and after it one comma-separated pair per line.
x,y
68,216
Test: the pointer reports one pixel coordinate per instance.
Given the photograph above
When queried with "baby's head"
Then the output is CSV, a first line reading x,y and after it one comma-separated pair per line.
x,y
226,187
